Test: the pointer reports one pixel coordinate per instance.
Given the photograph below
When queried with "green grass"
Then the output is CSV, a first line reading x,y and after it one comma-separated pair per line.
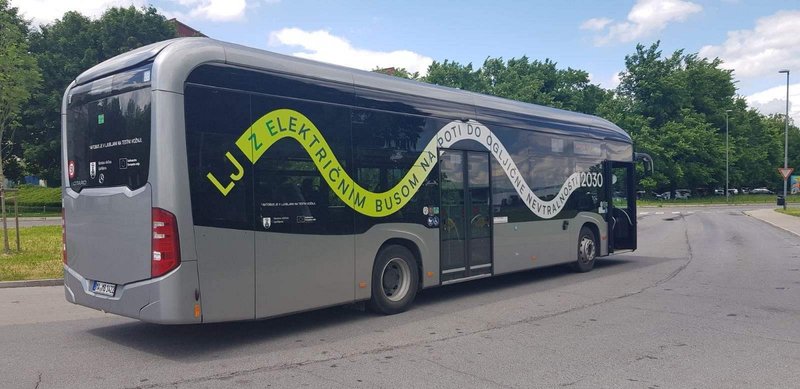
x,y
43,211
789,211
40,256
36,195
734,199
34,201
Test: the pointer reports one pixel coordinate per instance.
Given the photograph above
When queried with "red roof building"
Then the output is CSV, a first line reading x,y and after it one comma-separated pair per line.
x,y
183,30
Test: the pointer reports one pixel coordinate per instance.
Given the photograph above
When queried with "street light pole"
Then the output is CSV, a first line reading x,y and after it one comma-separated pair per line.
x,y
786,136
727,157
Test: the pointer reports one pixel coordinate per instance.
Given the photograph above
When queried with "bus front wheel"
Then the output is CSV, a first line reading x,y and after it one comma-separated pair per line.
x,y
395,280
587,250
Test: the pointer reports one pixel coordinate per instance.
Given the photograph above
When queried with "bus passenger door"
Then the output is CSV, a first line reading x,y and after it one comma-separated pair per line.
x,y
466,226
622,210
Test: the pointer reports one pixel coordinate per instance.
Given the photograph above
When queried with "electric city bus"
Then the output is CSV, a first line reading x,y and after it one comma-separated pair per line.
x,y
208,182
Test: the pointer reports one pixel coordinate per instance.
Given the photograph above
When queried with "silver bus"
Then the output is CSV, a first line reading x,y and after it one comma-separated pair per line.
x,y
207,182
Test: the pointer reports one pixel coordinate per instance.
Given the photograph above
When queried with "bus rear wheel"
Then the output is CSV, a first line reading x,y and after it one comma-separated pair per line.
x,y
395,280
587,250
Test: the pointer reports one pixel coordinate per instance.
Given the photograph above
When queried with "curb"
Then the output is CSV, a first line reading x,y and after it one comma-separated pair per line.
x,y
771,223
30,283
675,205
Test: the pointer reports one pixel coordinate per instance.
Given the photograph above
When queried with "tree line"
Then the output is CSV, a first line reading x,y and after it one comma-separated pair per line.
x,y
48,58
674,106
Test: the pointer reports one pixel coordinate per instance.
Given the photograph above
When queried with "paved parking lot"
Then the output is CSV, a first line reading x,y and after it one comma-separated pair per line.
x,y
712,299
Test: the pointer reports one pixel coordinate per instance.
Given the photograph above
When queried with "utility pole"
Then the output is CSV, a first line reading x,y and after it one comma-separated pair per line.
x,y
727,158
786,137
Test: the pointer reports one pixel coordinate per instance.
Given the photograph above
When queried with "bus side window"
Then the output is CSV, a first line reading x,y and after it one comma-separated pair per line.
x,y
294,196
215,119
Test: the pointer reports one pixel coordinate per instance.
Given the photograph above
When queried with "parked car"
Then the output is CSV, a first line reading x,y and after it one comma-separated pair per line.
x,y
733,191
719,192
682,194
761,191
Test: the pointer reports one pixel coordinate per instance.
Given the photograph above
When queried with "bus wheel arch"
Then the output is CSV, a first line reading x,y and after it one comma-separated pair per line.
x,y
396,277
411,246
588,248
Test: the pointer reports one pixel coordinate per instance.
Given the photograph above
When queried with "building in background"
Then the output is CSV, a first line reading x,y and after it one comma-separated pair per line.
x,y
184,31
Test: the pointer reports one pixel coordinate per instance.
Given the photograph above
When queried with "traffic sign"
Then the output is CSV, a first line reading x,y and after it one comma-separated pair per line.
x,y
785,172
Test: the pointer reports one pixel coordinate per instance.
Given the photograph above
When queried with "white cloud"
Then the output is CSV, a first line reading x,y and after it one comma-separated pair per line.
x,y
613,82
609,83
645,18
773,100
595,24
215,10
322,46
762,51
46,11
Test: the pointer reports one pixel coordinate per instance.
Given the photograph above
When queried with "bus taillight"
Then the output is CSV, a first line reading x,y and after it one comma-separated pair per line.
x,y
166,249
63,237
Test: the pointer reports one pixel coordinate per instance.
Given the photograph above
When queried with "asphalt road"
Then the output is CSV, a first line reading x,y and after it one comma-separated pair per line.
x,y
712,299
35,221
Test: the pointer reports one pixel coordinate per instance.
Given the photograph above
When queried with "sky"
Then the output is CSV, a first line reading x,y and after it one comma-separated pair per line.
x,y
756,38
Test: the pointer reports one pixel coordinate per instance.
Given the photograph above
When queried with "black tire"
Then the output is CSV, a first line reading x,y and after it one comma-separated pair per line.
x,y
587,250
395,280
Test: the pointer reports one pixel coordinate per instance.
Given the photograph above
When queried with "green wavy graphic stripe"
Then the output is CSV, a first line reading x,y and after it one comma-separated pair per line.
x,y
287,123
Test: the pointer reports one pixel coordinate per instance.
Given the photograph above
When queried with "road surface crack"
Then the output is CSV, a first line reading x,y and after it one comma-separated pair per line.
x,y
309,372
467,374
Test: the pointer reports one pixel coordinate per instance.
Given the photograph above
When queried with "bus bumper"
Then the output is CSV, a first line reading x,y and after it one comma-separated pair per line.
x,y
169,299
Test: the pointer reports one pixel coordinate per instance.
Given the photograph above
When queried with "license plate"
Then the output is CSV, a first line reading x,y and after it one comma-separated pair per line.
x,y
104,288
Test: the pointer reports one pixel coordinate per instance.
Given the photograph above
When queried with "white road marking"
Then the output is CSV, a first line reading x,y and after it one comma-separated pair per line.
x,y
644,213
676,213
659,213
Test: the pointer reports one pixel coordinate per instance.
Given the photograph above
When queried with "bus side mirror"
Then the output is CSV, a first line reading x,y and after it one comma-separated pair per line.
x,y
646,159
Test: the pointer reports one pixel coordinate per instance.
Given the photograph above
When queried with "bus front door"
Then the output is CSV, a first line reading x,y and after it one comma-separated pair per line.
x,y
622,210
466,220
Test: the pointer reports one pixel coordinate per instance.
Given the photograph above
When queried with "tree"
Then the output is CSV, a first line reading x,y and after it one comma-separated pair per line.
x,y
537,82
63,50
654,84
455,75
19,75
709,89
681,102
120,30
775,126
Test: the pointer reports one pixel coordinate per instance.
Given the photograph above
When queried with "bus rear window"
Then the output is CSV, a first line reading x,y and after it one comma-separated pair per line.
x,y
108,140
